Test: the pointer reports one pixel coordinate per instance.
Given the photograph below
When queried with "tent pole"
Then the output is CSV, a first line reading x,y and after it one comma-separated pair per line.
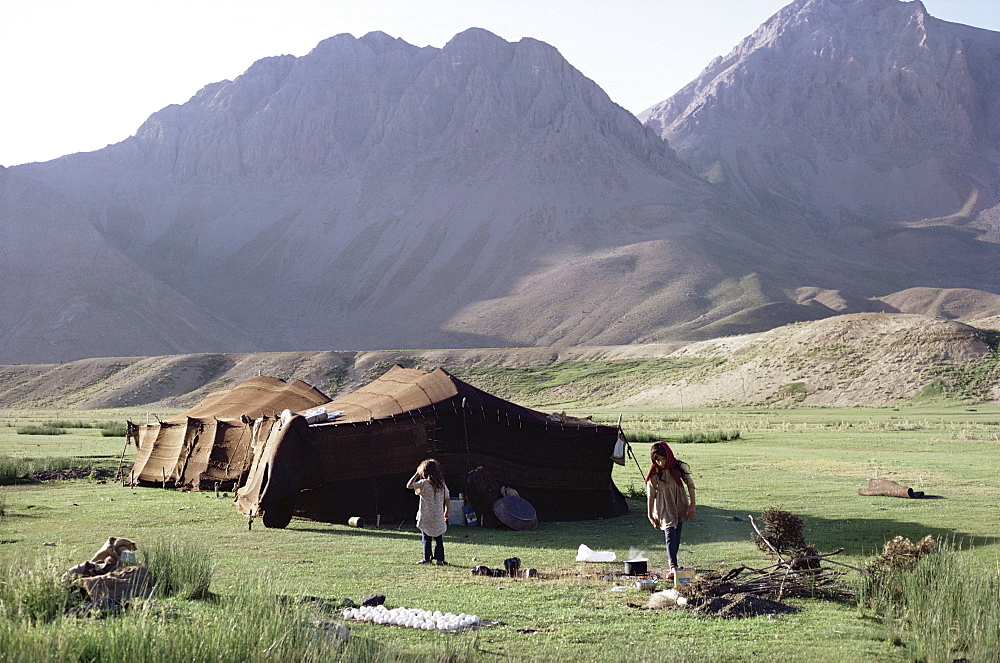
x,y
465,429
121,461
371,446
628,446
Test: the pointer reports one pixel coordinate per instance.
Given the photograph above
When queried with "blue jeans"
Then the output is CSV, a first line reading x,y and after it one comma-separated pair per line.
x,y
673,537
438,546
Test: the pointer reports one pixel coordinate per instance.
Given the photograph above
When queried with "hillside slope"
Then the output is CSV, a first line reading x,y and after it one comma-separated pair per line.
x,y
372,194
852,360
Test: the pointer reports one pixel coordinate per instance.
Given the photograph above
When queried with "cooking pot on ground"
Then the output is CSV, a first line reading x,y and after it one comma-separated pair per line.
x,y
636,567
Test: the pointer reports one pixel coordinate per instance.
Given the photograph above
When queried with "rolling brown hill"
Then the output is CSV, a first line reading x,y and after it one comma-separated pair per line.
x,y
864,360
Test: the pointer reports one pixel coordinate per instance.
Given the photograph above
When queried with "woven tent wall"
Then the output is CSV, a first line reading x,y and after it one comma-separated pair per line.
x,y
358,464
210,444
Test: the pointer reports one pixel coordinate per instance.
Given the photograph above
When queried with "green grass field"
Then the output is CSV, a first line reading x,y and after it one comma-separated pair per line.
x,y
809,462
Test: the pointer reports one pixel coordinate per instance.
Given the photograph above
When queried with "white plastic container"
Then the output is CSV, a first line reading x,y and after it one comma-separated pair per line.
x,y
585,554
456,513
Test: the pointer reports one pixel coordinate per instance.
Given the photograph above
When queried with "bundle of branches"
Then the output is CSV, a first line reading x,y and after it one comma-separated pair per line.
x,y
782,536
778,581
799,570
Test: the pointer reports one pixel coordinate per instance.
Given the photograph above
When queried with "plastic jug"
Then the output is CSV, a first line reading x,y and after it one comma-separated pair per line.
x,y
682,576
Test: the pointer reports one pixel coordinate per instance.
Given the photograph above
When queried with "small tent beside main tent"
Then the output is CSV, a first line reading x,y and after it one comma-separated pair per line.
x,y
211,444
357,464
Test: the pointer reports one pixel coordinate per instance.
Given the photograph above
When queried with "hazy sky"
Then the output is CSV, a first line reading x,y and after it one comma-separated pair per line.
x,y
80,74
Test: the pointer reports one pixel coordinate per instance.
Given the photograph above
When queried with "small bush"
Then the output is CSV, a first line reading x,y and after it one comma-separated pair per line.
x,y
44,429
634,491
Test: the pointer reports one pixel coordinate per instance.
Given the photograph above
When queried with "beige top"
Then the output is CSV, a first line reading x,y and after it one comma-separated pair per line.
x,y
430,514
670,502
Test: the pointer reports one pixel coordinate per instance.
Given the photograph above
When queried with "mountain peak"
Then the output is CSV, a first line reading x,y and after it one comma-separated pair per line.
x,y
849,107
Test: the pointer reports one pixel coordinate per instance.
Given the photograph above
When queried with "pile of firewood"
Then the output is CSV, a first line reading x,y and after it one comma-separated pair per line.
x,y
778,582
800,570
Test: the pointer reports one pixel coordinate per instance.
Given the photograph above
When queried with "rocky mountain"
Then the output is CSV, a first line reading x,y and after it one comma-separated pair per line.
x,y
849,115
868,123
376,195
65,291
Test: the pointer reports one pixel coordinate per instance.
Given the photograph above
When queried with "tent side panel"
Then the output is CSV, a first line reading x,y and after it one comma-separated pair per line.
x,y
361,470
144,445
563,470
199,450
339,501
165,452
232,454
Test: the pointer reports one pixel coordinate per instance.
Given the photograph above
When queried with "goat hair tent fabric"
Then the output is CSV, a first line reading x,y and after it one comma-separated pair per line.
x,y
358,463
210,444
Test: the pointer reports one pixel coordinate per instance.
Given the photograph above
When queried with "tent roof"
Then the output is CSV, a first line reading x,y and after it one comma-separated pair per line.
x,y
401,390
261,395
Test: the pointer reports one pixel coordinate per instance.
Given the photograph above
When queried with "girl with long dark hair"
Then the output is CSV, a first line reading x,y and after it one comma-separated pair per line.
x,y
432,514
669,497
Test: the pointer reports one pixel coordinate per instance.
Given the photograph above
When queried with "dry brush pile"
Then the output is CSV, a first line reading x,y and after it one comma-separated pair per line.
x,y
800,571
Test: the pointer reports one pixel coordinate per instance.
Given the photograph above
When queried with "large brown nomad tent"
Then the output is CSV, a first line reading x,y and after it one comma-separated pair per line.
x,y
357,463
210,444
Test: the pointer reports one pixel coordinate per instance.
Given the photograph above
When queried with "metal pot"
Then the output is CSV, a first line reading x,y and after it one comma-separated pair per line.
x,y
647,585
635,567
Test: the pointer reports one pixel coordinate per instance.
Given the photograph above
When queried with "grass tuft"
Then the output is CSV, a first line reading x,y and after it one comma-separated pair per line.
x,y
696,437
183,569
34,595
19,470
941,605
113,429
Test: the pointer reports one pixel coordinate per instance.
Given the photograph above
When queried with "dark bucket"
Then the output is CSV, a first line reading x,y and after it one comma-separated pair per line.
x,y
635,567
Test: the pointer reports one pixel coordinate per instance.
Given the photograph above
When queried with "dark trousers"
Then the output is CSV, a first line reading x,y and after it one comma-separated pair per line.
x,y
438,546
673,537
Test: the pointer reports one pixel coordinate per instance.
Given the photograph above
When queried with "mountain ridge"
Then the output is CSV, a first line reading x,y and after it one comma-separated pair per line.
x,y
373,194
